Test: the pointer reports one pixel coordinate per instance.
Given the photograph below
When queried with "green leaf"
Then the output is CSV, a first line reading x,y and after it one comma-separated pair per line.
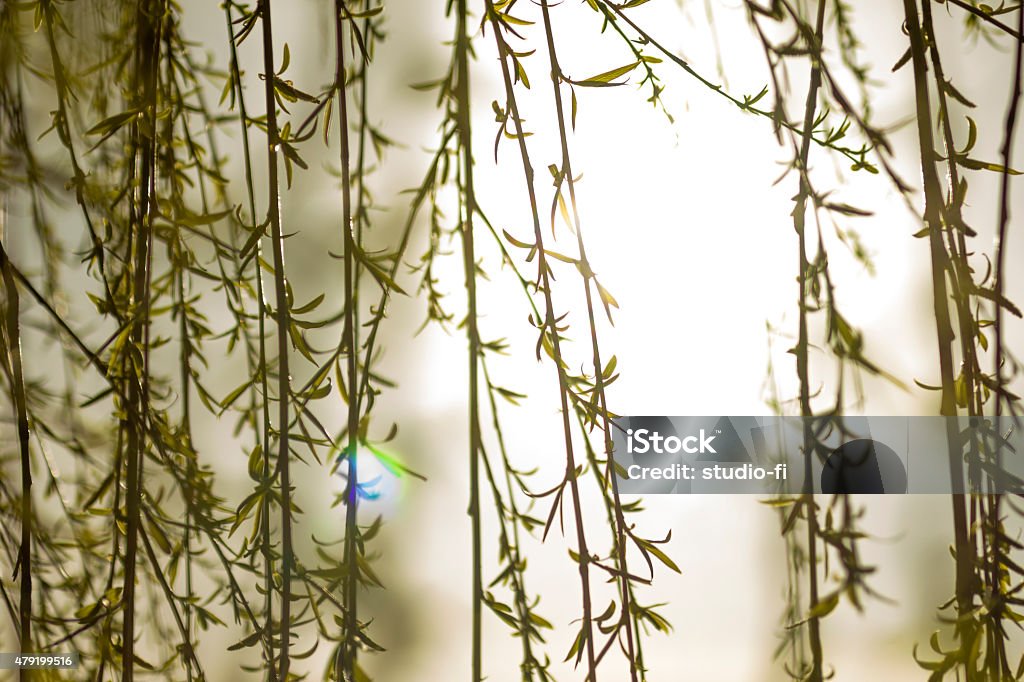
x,y
605,79
901,62
515,242
824,606
975,164
950,90
86,611
286,89
559,256
234,395
383,278
521,73
508,395
509,19
254,237
255,463
540,622
847,209
247,642
109,126
158,535
609,368
577,646
286,59
606,298
309,306
299,342
204,219
660,555
972,135
367,13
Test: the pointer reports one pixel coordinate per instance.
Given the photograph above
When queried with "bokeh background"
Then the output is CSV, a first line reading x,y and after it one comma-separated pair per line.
x,y
686,225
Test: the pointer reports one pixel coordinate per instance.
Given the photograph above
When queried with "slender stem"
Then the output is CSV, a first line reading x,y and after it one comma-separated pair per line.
x,y
961,281
463,105
183,628
960,271
995,501
191,472
264,439
171,93
19,395
19,403
348,649
803,345
619,524
944,331
149,19
517,572
854,155
548,329
359,215
283,318
1009,134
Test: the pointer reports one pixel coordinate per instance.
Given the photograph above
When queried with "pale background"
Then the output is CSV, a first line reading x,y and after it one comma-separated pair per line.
x,y
684,226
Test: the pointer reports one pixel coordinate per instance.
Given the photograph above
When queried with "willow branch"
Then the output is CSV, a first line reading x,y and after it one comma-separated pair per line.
x,y
283,319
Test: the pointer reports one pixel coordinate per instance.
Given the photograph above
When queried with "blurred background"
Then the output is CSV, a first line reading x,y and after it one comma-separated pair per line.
x,y
687,227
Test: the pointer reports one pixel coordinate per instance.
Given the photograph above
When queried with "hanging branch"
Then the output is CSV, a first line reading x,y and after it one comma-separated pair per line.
x,y
453,160
985,14
999,543
598,404
964,549
261,368
149,22
984,551
845,343
527,622
129,524
180,257
971,392
16,381
347,650
550,341
157,434
467,197
61,121
283,319
1009,134
827,139
802,348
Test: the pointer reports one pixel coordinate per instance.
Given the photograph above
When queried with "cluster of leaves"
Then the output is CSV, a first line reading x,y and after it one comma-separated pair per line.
x,y
139,540
987,578
582,396
837,533
141,524
969,299
624,622
166,236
